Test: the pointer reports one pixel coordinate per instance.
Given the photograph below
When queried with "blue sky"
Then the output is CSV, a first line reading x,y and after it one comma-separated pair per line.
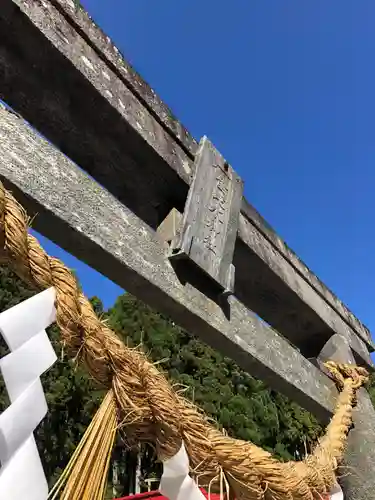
x,y
285,90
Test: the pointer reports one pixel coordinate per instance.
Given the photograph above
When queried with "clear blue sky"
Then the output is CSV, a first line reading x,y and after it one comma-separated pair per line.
x,y
285,90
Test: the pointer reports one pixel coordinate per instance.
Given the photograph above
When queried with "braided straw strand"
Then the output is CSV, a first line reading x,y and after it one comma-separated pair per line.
x,y
149,410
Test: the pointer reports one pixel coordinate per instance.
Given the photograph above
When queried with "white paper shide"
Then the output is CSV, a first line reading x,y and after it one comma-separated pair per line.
x,y
336,493
23,328
176,484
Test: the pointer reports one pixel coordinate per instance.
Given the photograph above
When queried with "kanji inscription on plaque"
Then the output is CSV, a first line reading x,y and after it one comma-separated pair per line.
x,y
209,224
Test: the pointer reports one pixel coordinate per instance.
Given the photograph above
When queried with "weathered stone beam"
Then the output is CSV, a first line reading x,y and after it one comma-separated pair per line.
x,y
60,84
276,272
300,267
65,76
106,49
85,219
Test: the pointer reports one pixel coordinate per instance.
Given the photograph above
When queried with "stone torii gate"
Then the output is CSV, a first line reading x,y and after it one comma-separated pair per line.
x,y
123,186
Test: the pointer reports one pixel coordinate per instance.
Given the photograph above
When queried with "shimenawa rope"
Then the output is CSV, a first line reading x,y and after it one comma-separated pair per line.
x,y
149,410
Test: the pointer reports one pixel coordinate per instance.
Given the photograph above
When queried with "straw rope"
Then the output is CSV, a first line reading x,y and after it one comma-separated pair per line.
x,y
149,410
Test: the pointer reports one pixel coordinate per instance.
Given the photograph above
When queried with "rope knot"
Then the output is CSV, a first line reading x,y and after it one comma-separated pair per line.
x,y
343,371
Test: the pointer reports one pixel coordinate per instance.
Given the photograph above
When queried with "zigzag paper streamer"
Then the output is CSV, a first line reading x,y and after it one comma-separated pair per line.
x,y
23,328
176,484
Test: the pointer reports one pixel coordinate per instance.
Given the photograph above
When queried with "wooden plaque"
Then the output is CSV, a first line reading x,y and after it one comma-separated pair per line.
x,y
209,224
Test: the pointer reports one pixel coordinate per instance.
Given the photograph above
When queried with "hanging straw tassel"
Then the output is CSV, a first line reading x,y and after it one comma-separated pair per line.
x,y
85,477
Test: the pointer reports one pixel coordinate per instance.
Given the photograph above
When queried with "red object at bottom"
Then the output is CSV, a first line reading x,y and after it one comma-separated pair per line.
x,y
155,495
